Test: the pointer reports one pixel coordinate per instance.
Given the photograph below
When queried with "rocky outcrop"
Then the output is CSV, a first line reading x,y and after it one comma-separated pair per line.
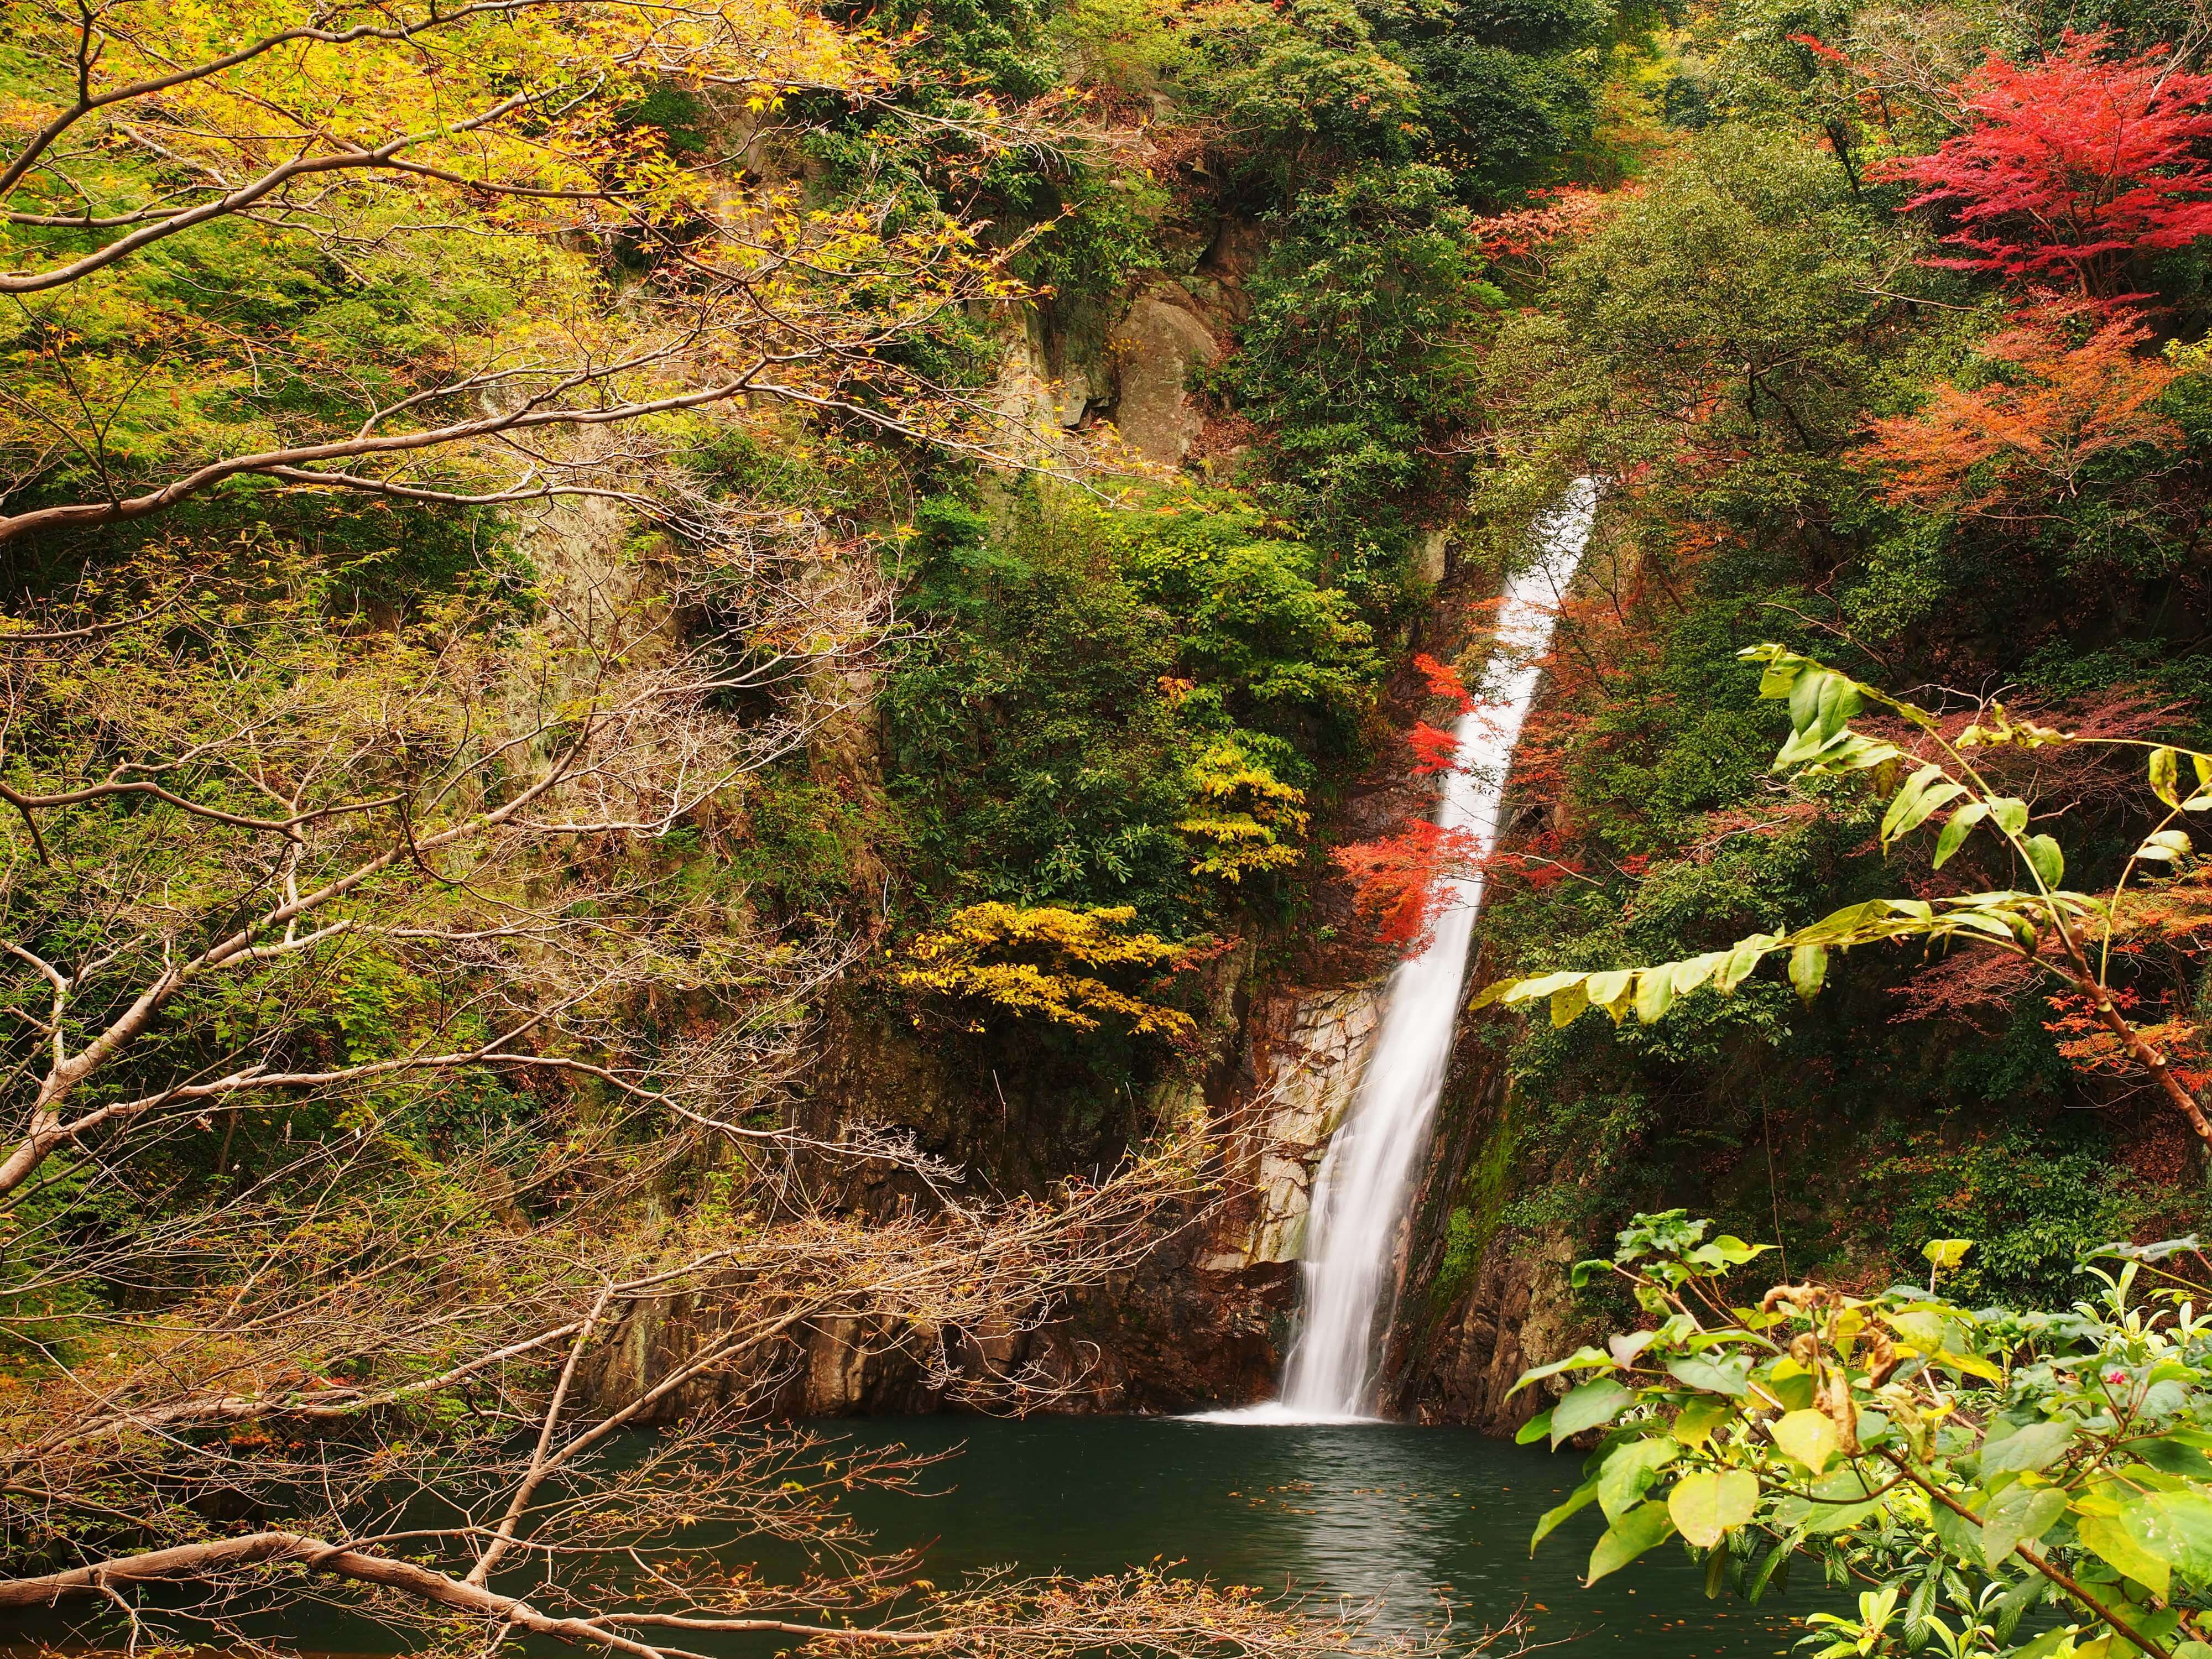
x,y
1157,343
1513,1315
1306,1083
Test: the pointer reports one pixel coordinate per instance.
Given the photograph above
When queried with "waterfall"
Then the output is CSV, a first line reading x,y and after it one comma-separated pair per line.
x,y
1366,1176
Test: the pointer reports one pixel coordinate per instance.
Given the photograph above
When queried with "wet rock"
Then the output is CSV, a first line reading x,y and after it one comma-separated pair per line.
x,y
1313,1077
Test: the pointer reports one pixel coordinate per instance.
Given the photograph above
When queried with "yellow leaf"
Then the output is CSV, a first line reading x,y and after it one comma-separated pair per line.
x,y
1810,1436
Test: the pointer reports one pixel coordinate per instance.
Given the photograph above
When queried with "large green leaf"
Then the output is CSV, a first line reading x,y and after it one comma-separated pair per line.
x,y
1582,1358
1730,1376
1628,1471
2105,1536
1711,1503
1586,1408
2019,1514
1629,1537
1580,1499
2049,861
1809,968
2174,1526
1954,832
2037,1446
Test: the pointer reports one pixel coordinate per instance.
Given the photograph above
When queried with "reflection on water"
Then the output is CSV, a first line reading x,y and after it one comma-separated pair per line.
x,y
1429,1520
1410,1516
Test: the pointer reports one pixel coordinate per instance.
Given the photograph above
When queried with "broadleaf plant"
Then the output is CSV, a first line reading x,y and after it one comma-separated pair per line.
x,y
2065,934
1965,1469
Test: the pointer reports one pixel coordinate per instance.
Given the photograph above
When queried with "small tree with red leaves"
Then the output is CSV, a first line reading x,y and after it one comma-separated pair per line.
x,y
2075,164
1401,881
2026,438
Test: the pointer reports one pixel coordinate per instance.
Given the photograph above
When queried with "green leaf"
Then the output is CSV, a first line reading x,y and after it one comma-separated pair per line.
x,y
2044,1645
2166,775
1808,966
1908,798
1654,993
1594,1403
2176,1526
2104,1536
1582,1358
1837,1517
1839,700
2050,862
1774,1568
1808,1435
2007,814
1741,963
1628,1470
1961,1535
1629,1537
2016,1515
1538,1427
1710,1504
1930,799
1581,1497
1728,1376
1954,832
2037,1446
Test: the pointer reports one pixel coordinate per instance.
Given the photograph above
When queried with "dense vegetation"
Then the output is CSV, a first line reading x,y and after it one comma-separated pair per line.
x,y
541,572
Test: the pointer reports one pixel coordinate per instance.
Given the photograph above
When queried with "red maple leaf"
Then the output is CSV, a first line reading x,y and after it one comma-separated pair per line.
x,y
2072,163
1434,750
1443,681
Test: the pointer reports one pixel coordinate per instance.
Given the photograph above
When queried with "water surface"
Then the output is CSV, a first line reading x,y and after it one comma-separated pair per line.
x,y
1407,1515
1427,1519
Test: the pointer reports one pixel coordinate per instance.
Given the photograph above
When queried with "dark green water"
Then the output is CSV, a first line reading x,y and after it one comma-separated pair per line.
x,y
1412,1517
1407,1514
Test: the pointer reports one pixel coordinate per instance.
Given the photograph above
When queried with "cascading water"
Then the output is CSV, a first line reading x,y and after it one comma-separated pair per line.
x,y
1360,1195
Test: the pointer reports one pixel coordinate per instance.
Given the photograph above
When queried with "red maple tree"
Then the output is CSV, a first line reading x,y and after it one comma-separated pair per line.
x,y
2032,434
2074,163
1400,881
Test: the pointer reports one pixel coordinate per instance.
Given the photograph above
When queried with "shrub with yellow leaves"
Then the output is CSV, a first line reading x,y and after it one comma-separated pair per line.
x,y
1037,960
1246,818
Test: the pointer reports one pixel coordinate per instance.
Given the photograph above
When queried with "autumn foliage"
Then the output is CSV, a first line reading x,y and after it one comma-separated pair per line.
x,y
2029,434
1045,960
1434,750
2071,165
1443,681
1402,882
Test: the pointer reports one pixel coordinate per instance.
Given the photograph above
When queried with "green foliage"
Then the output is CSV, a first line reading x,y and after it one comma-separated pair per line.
x,y
1971,1467
1115,706
1299,88
1360,360
2034,1204
801,842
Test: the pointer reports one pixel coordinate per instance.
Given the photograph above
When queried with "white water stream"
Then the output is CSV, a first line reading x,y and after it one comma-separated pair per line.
x,y
1360,1195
